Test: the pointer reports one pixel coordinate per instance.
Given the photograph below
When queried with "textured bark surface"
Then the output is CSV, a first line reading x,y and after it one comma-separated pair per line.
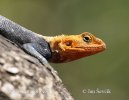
x,y
23,77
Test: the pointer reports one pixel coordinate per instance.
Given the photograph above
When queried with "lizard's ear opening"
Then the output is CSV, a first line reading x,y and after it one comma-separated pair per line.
x,y
68,43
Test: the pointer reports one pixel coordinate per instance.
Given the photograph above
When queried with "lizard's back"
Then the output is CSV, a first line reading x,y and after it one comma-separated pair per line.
x,y
20,36
17,33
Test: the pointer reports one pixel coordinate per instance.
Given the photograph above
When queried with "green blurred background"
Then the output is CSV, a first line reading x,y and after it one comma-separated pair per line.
x,y
106,19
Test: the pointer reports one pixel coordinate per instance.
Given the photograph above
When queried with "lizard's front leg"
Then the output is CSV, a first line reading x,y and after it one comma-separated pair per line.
x,y
30,49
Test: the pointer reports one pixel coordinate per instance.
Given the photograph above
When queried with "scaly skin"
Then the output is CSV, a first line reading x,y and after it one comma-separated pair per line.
x,y
66,48
58,49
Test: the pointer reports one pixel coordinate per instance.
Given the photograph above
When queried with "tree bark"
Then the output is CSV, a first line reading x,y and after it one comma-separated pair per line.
x,y
24,77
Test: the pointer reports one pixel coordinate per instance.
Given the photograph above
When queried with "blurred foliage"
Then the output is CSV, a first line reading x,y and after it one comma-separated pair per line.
x,y
107,19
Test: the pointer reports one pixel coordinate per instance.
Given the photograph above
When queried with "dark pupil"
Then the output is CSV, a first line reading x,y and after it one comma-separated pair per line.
x,y
86,39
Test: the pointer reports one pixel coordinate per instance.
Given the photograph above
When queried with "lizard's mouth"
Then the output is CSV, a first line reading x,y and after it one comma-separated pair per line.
x,y
92,48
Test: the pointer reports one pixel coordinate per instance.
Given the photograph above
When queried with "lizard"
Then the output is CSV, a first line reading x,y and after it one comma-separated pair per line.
x,y
56,49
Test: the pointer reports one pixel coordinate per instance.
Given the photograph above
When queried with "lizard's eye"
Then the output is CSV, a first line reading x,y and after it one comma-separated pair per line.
x,y
87,39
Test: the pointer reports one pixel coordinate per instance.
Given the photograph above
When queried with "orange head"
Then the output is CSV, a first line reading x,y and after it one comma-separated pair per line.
x,y
66,48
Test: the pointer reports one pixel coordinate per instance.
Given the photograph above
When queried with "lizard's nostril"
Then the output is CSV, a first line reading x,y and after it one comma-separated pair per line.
x,y
98,41
104,45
